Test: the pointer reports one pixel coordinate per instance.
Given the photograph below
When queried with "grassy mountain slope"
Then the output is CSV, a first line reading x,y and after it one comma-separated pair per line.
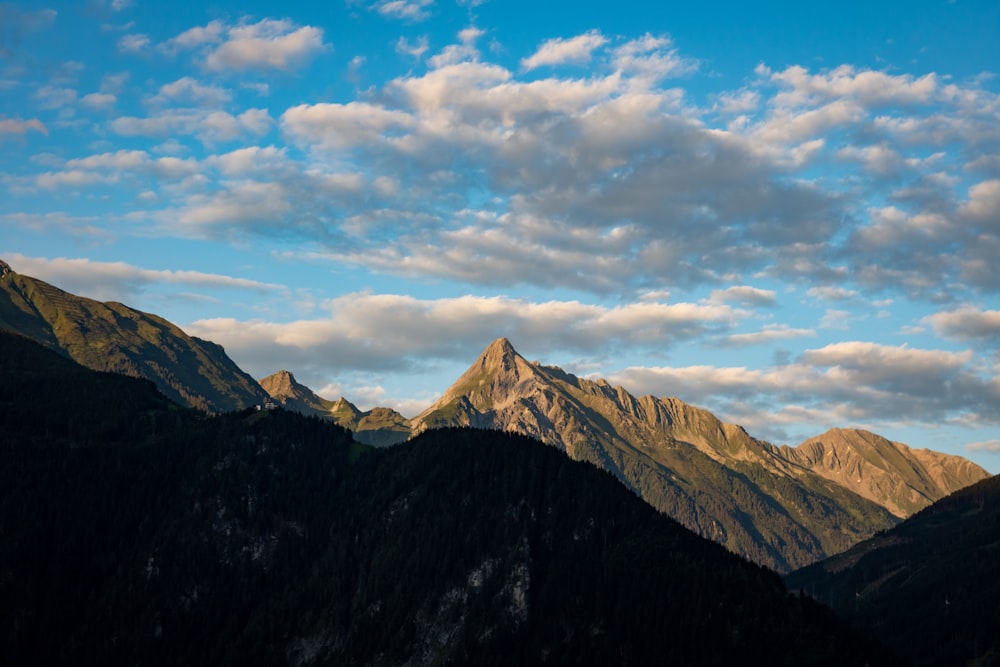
x,y
267,538
115,338
761,501
929,587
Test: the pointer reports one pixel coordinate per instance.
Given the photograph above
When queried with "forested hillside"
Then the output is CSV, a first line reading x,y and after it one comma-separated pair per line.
x,y
267,537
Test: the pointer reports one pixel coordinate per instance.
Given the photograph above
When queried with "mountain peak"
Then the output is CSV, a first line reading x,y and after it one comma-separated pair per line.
x,y
498,354
5,269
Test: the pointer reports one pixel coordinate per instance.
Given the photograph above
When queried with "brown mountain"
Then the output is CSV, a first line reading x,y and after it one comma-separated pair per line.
x,y
779,506
113,337
901,479
378,427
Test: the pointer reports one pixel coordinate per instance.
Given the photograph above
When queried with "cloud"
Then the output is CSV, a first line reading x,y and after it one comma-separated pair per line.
x,y
133,43
210,127
54,97
750,296
411,10
18,126
382,332
858,383
98,101
769,334
992,446
187,89
119,281
413,49
195,37
575,50
967,323
267,44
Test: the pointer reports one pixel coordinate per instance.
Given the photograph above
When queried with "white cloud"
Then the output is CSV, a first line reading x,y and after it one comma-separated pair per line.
x,y
984,201
967,323
209,127
268,44
118,281
558,51
98,101
769,334
364,331
851,383
133,43
411,10
413,49
195,37
828,293
187,89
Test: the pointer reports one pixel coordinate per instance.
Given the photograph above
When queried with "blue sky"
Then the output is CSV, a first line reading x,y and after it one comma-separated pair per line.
x,y
788,214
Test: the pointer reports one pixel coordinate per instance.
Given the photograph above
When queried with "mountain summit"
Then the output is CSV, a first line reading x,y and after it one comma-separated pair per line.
x,y
779,506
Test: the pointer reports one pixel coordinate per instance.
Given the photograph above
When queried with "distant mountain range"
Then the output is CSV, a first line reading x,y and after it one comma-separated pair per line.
x,y
929,587
379,427
113,337
783,507
136,532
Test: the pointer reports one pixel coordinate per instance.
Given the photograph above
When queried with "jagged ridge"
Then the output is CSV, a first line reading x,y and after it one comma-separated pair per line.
x,y
782,507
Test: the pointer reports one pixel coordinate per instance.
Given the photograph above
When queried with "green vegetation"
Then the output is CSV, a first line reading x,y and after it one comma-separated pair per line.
x,y
272,538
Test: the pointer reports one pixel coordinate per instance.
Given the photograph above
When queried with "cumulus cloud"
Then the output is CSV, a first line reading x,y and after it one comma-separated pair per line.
x,y
189,90
210,127
967,323
559,51
268,44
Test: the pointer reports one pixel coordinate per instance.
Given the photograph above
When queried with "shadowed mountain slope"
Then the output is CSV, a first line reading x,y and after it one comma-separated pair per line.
x,y
764,502
930,587
115,338
270,538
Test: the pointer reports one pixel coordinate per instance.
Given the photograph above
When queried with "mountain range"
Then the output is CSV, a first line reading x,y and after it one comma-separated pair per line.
x,y
783,507
265,537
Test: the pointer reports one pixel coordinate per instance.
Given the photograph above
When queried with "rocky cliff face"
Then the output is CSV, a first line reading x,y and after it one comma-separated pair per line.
x,y
782,507
113,337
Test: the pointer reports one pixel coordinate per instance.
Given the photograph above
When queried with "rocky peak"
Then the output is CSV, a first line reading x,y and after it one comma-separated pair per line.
x,y
500,355
280,384
5,269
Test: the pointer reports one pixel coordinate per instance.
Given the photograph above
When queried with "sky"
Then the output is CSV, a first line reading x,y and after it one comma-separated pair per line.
x,y
787,213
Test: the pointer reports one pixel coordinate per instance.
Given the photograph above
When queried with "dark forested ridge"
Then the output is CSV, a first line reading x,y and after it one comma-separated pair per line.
x,y
272,538
929,587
